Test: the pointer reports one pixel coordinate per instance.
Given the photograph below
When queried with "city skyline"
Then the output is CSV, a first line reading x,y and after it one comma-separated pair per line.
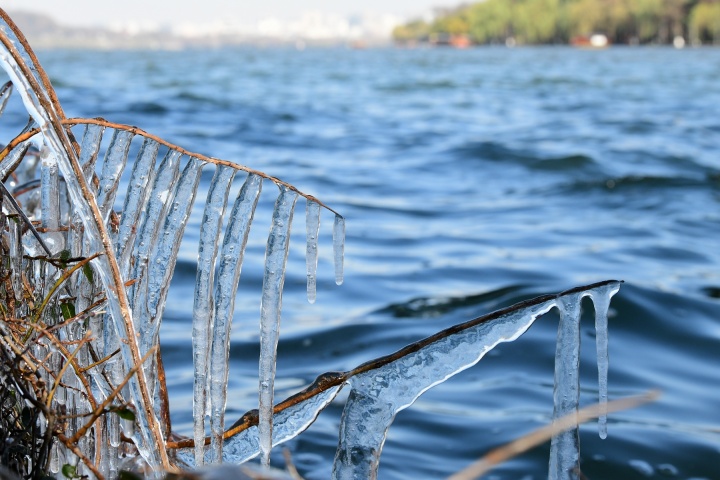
x,y
243,15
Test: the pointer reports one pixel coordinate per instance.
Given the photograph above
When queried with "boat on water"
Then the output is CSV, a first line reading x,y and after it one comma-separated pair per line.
x,y
596,40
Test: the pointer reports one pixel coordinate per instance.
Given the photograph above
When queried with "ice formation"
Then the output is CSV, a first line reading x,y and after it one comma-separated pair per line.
x,y
203,302
270,307
339,247
312,227
230,265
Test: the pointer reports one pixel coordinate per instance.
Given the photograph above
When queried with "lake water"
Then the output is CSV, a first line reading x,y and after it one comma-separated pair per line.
x,y
470,180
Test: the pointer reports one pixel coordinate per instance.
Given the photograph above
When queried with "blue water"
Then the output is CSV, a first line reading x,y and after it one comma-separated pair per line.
x,y
470,180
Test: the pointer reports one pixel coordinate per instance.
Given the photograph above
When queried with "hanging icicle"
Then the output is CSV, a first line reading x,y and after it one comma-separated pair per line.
x,y
565,447
270,307
230,265
141,179
203,305
112,168
601,299
339,247
312,227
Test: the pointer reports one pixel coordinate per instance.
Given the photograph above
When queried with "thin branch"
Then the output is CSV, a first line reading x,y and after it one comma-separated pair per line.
x,y
101,408
56,286
59,375
137,131
543,434
6,194
72,445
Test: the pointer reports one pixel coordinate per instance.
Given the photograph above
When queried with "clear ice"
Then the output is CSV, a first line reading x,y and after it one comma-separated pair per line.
x,y
287,424
270,307
565,447
203,305
112,168
141,179
312,227
230,265
601,299
378,394
339,247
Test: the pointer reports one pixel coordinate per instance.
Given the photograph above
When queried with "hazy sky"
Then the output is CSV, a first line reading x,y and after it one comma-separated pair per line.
x,y
246,12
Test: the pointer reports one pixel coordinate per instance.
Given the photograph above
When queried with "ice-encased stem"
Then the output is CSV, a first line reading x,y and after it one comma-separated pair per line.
x,y
271,304
565,447
141,179
378,394
229,269
112,168
601,300
287,424
339,247
13,159
50,201
89,148
312,227
164,252
203,304
5,96
154,211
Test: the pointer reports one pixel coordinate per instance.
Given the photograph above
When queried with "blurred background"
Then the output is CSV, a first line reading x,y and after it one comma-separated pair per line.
x,y
482,154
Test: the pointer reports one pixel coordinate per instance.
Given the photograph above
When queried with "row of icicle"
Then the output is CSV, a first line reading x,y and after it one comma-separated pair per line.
x,y
155,213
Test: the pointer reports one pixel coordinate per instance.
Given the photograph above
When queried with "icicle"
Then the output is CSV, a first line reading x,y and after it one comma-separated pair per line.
x,y
77,245
113,166
378,394
104,447
203,305
270,307
339,247
286,425
141,179
10,162
5,93
112,461
164,254
89,149
152,289
601,300
113,428
227,279
153,213
49,204
55,457
16,254
565,447
312,226
61,393
128,427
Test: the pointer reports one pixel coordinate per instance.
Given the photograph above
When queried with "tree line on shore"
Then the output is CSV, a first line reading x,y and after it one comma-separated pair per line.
x,y
561,21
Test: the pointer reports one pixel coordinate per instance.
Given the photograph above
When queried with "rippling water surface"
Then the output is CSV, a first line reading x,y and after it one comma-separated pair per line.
x,y
470,180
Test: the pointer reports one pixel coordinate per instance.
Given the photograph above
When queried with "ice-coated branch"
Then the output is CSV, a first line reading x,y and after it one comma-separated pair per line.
x,y
386,385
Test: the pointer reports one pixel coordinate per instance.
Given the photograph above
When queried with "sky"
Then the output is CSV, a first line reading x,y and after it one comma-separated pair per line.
x,y
243,12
